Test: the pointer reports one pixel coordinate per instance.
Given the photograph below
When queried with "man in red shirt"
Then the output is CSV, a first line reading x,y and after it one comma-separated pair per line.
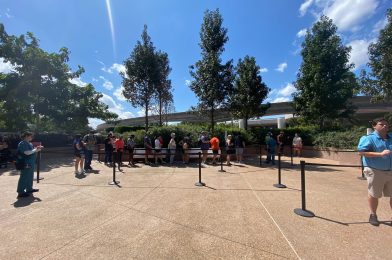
x,y
214,141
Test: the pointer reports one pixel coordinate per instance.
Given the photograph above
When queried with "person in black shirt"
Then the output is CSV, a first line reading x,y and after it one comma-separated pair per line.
x,y
239,143
108,149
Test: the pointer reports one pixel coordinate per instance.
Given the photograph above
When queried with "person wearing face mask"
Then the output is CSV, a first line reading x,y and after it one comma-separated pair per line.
x,y
375,150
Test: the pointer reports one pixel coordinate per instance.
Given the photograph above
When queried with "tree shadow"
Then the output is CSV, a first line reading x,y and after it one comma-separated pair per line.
x,y
26,201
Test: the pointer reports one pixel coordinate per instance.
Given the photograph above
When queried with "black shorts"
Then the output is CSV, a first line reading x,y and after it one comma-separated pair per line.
x,y
215,151
158,150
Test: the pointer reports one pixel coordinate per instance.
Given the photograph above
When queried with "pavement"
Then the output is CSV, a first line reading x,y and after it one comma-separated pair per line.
x,y
159,213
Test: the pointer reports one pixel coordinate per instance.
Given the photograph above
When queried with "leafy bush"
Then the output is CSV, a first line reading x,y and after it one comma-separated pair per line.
x,y
339,139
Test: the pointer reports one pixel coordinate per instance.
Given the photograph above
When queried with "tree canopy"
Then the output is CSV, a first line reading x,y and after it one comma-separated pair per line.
x,y
378,83
212,79
249,91
146,78
38,93
324,83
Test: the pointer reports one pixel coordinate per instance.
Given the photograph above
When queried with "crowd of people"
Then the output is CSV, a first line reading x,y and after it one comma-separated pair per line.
x,y
374,148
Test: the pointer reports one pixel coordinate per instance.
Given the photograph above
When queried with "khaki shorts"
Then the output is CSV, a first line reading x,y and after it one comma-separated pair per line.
x,y
379,182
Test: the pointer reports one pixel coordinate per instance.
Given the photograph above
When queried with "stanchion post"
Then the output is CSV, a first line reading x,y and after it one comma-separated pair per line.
x,y
200,183
291,154
38,165
362,177
260,155
303,211
279,184
221,162
114,159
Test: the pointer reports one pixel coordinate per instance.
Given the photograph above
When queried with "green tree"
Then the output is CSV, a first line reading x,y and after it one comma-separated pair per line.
x,y
324,83
146,75
249,91
212,80
378,83
38,93
163,90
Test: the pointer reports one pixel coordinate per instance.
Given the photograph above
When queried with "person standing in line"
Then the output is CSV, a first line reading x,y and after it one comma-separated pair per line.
x,y
26,155
147,147
271,149
297,145
239,143
172,146
376,152
119,150
230,149
185,145
215,148
280,140
90,142
108,149
131,144
204,146
79,154
158,149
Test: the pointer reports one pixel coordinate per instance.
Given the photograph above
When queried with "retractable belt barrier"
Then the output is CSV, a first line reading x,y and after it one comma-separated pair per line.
x,y
303,211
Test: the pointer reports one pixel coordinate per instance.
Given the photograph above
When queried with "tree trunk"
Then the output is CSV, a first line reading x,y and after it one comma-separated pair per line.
x,y
160,112
146,116
212,119
246,123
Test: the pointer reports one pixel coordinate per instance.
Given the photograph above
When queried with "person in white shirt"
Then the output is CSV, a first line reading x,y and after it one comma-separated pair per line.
x,y
297,145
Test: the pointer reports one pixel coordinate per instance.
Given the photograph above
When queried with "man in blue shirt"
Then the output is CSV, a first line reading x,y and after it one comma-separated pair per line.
x,y
375,150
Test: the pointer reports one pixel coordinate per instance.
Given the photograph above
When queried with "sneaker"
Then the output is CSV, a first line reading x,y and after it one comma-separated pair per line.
x,y
76,172
374,220
23,195
33,190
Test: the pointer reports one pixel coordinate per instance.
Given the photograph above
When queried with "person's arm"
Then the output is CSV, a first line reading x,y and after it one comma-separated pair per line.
x,y
375,154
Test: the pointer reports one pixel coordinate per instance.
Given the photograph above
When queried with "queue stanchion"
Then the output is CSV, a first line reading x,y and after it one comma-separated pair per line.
x,y
303,211
200,183
260,155
114,182
291,154
279,184
221,162
362,177
38,166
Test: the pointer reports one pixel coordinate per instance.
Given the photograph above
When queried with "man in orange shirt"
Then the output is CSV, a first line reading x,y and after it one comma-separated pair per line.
x,y
119,150
214,141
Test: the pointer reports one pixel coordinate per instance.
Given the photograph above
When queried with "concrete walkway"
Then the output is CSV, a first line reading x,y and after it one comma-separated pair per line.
x,y
158,213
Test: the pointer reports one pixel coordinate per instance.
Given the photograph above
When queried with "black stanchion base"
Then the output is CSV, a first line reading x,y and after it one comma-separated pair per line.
x,y
221,171
281,186
114,183
200,184
304,213
362,178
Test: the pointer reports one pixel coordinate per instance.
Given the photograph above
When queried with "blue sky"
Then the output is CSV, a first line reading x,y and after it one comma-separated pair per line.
x,y
101,35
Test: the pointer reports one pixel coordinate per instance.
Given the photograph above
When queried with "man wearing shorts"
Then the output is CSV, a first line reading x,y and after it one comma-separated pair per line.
x,y
375,150
239,147
215,148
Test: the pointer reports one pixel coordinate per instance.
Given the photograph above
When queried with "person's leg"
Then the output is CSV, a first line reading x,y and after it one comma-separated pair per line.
x,y
81,164
29,178
373,204
22,182
172,154
77,159
273,158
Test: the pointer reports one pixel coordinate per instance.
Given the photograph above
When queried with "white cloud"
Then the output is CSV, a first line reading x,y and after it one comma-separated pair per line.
x,y
301,33
118,93
349,14
380,25
281,67
280,99
115,67
188,82
304,7
78,82
287,90
106,83
263,70
359,52
6,67
94,122
115,107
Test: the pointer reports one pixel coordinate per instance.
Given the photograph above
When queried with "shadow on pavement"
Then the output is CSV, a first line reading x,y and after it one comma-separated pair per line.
x,y
23,202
